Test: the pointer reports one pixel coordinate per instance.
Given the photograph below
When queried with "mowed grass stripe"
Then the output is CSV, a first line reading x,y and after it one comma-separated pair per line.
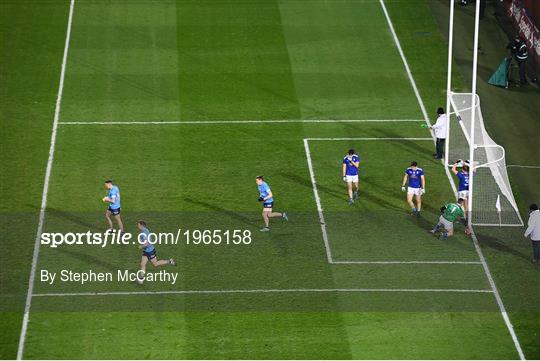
x,y
344,62
233,62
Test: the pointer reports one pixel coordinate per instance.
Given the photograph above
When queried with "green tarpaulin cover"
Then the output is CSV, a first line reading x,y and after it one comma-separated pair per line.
x,y
500,77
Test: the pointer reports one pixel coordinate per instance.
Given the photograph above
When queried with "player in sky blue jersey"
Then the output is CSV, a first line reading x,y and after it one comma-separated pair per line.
x,y
113,198
463,178
351,163
149,252
266,196
416,187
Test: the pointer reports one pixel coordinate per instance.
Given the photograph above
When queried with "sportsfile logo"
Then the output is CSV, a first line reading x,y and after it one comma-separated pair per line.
x,y
195,237
109,237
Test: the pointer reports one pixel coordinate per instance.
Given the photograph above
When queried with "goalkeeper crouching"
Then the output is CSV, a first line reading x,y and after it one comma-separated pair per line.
x,y
451,213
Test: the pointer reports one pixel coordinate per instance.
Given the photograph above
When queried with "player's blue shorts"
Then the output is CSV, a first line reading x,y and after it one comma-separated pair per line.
x,y
114,211
268,205
150,255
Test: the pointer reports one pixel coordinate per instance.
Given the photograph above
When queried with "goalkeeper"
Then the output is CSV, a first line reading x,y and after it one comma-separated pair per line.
x,y
451,212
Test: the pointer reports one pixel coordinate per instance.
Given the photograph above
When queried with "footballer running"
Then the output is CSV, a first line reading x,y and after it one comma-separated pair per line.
x,y
266,196
416,180
351,163
451,212
113,198
149,252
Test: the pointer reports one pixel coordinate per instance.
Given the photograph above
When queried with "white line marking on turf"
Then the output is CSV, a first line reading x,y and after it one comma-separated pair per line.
x,y
297,290
407,262
382,138
318,201
262,121
28,304
475,240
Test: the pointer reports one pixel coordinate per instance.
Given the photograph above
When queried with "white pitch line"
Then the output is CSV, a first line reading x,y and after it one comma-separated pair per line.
x,y
28,303
296,290
318,202
498,298
382,138
408,262
262,121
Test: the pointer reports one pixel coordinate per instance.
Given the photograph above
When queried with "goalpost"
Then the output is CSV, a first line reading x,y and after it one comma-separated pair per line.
x,y
491,201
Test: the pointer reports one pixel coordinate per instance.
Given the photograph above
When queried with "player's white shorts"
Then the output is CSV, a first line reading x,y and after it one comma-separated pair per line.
x,y
352,178
463,194
446,223
415,191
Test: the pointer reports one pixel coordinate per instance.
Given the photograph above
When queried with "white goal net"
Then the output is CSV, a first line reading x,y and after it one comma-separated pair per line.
x,y
493,202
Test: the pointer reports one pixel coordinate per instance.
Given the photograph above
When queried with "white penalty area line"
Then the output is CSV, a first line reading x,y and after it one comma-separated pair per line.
x,y
28,303
294,290
261,121
498,298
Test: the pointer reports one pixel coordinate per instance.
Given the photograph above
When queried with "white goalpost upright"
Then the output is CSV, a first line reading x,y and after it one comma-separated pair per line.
x,y
491,201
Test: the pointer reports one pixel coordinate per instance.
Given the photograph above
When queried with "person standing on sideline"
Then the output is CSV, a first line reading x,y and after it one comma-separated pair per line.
x,y
519,51
439,128
533,230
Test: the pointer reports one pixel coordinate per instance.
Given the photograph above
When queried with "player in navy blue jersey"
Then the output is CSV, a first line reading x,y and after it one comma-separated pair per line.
x,y
113,198
463,179
266,196
351,163
417,187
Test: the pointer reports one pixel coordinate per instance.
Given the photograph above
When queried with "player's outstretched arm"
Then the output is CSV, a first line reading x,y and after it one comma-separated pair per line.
x,y
454,166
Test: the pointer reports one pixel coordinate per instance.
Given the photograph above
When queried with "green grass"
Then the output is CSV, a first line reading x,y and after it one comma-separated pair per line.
x,y
236,60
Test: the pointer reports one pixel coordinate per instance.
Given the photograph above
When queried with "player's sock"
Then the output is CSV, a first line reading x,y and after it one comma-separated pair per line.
x,y
414,210
436,228
140,280
355,195
444,236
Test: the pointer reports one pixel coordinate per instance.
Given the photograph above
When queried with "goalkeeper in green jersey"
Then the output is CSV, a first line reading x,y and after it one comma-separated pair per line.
x,y
451,212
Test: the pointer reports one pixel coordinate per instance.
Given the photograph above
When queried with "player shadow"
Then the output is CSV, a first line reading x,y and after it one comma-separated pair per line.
x,y
496,244
90,259
70,216
410,145
235,215
307,184
378,200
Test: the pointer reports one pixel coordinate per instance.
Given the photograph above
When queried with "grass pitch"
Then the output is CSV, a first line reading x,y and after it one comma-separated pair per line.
x,y
228,61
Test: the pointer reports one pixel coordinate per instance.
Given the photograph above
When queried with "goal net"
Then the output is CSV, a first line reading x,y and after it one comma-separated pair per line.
x,y
493,202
